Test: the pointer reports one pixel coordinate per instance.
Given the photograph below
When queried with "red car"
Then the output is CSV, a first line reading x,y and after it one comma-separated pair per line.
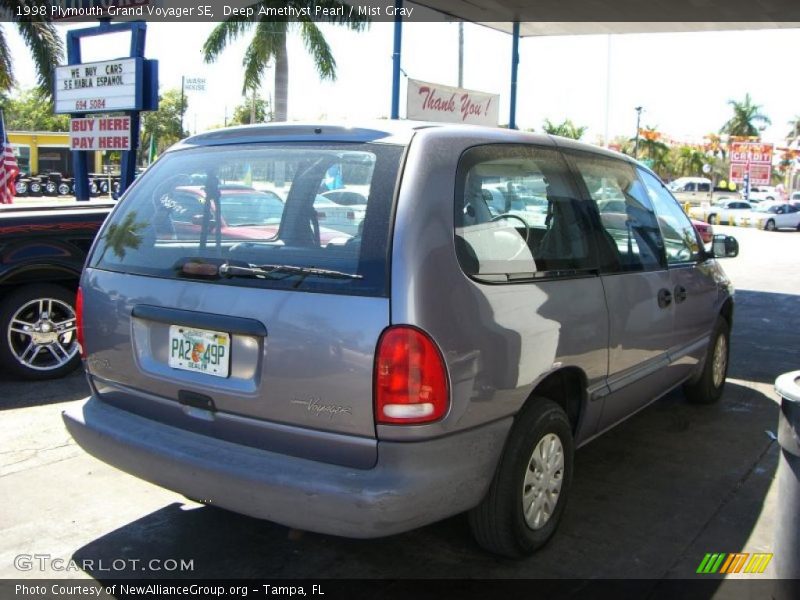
x,y
705,230
247,214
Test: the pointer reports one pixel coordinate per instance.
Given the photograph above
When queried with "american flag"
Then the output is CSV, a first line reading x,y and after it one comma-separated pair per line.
x,y
9,169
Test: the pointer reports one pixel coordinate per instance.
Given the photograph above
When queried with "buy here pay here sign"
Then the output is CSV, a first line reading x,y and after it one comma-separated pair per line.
x,y
100,133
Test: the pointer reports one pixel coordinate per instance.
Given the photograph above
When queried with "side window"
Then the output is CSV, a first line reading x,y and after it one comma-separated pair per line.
x,y
703,187
680,238
518,216
689,187
630,238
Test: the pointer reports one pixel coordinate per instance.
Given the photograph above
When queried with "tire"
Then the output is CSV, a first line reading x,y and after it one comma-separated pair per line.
x,y
104,187
63,189
35,188
54,354
707,389
770,225
712,219
22,188
498,523
50,188
93,187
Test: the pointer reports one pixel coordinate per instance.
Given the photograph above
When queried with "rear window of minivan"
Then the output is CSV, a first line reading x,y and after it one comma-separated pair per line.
x,y
264,215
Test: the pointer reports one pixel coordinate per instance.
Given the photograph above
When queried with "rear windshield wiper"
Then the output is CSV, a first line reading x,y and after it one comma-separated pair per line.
x,y
228,270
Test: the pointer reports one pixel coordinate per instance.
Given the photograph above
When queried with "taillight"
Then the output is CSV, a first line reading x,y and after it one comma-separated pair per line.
x,y
410,378
79,321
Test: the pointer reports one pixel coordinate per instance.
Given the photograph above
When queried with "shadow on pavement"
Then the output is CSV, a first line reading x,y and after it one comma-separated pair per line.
x,y
641,496
21,393
766,336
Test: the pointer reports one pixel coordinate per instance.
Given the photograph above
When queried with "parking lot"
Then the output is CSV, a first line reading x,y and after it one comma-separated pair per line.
x,y
649,500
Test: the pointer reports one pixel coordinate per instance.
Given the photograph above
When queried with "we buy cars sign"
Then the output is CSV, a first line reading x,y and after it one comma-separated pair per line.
x,y
751,157
100,133
433,102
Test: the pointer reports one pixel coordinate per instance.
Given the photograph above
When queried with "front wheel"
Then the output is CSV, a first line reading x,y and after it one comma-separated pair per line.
x,y
707,389
38,335
712,219
770,225
527,496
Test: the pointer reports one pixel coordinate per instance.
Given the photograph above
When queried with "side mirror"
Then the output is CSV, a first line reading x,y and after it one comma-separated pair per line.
x,y
724,246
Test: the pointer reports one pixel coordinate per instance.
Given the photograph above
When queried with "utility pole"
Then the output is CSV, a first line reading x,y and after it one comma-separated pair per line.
x,y
183,102
636,143
461,54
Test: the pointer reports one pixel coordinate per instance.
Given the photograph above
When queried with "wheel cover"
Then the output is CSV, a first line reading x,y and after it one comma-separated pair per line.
x,y
42,334
544,476
720,361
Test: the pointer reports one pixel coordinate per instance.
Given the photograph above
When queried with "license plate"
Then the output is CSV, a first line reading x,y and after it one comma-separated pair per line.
x,y
199,350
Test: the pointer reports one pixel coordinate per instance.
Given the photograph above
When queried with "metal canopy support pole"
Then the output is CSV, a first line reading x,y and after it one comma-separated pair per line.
x,y
398,37
80,169
512,118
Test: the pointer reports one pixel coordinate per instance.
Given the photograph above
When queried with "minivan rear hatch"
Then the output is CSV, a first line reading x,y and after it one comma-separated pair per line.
x,y
216,301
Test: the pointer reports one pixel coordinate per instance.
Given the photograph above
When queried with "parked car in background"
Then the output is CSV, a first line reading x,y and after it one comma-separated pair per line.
x,y
770,216
246,214
763,193
720,213
696,191
42,251
339,217
705,230
444,360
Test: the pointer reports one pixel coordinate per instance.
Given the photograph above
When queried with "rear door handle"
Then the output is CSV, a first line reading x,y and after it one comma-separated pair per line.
x,y
680,294
664,298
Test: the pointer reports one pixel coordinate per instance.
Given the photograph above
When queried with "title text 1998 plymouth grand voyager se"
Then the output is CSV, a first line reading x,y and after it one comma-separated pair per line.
x,y
504,298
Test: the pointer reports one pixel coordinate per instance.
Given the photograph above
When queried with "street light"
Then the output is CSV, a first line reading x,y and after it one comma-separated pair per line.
x,y
638,110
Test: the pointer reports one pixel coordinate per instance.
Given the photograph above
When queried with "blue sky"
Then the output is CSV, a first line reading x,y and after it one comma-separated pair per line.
x,y
682,80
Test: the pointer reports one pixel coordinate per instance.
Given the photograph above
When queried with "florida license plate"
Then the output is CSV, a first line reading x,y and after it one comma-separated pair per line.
x,y
199,350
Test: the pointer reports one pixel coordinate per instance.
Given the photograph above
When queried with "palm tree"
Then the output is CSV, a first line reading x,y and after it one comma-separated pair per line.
x,y
565,129
689,161
269,42
794,132
744,119
41,37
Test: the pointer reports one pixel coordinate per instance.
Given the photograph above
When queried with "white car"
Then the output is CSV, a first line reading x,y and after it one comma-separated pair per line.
x,y
346,219
721,213
770,216
763,193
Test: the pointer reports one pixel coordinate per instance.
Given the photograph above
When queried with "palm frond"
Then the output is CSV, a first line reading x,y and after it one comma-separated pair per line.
x,y
47,50
7,80
319,49
223,34
268,41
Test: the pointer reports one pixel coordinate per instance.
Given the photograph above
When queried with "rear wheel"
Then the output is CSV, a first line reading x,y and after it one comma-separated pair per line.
x,y
770,225
707,389
712,219
38,337
527,496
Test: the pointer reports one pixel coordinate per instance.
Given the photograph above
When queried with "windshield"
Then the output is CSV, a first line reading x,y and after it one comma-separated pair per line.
x,y
766,208
252,205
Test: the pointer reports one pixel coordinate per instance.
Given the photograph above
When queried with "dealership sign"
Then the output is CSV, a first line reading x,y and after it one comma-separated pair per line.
x,y
100,133
99,87
753,158
433,102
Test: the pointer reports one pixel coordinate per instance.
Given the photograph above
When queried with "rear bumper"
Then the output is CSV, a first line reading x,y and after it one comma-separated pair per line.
x,y
412,484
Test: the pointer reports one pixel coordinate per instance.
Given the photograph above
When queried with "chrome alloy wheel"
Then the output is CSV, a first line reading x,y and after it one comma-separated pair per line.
x,y
720,361
544,476
42,334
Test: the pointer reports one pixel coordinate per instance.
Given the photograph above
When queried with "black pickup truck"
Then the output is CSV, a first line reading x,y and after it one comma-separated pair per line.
x,y
42,251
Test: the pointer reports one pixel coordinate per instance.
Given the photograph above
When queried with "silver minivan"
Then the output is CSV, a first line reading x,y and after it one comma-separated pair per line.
x,y
501,299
